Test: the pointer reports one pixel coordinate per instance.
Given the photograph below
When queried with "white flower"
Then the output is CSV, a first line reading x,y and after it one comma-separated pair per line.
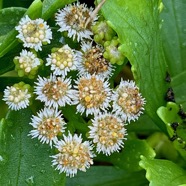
x,y
74,155
93,62
47,125
92,94
54,91
27,63
17,96
73,18
127,101
33,33
107,132
63,60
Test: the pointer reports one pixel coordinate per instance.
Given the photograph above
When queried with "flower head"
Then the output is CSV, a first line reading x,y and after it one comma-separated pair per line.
x,y
33,33
73,18
127,101
74,155
47,125
93,61
17,96
107,132
27,64
54,91
63,60
93,94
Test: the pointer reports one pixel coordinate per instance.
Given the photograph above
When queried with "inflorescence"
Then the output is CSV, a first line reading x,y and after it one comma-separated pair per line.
x,y
108,110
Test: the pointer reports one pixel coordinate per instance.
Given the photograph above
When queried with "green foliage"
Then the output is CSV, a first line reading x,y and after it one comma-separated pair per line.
x,y
174,45
129,158
153,42
169,114
108,176
134,26
24,161
9,20
163,172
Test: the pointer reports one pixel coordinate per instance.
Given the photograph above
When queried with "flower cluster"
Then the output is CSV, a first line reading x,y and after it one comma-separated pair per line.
x,y
18,96
88,90
127,101
27,64
107,132
63,60
73,18
93,62
33,33
47,125
73,154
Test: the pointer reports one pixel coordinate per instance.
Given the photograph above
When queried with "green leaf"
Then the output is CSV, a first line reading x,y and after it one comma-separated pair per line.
x,y
51,6
163,172
9,41
129,158
173,35
168,115
179,88
6,62
9,17
174,43
181,140
24,161
144,124
137,24
163,147
107,176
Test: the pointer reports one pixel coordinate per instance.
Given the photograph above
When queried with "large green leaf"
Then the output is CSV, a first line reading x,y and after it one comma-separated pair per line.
x,y
179,87
143,125
51,6
163,172
137,24
129,158
9,18
174,43
24,161
107,176
174,35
